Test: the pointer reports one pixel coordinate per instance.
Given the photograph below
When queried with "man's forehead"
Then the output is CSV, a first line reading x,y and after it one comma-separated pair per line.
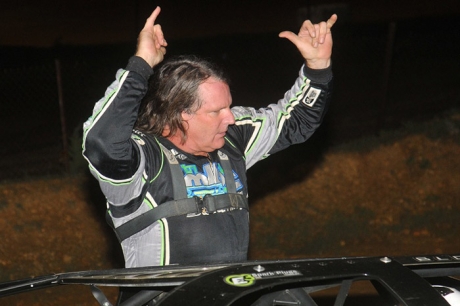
x,y
214,92
213,84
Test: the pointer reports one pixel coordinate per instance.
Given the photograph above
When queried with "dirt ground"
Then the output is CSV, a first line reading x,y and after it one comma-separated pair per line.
x,y
397,194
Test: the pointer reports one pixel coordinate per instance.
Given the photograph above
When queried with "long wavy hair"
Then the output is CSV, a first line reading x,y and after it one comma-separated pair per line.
x,y
173,89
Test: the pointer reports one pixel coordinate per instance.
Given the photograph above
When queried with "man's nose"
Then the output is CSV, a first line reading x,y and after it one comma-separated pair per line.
x,y
230,118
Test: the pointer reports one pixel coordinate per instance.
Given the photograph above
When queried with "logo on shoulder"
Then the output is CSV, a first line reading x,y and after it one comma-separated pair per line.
x,y
311,96
138,139
178,155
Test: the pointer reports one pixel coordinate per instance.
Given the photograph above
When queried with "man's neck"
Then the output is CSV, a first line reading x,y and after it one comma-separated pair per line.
x,y
177,141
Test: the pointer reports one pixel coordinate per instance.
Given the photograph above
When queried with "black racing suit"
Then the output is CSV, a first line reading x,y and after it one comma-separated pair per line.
x,y
133,174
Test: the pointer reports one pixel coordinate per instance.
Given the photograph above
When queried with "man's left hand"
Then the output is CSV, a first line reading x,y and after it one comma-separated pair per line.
x,y
314,42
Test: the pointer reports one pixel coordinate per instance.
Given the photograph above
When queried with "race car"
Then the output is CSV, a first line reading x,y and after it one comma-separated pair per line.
x,y
429,280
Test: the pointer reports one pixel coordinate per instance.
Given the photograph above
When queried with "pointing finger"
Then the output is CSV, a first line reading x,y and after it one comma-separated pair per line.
x,y
151,20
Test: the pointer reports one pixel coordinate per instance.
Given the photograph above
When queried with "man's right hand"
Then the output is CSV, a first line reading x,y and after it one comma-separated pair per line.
x,y
151,44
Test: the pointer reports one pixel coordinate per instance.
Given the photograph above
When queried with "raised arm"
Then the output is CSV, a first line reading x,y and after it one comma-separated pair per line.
x,y
108,143
314,42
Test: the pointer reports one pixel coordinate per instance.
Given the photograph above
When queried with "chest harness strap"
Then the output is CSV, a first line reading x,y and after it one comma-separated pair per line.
x,y
182,205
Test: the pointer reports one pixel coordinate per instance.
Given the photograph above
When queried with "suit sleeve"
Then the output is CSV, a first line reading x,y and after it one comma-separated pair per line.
x,y
292,120
115,158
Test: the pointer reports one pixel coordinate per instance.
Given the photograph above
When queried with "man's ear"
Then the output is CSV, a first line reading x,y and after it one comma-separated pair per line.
x,y
166,131
186,115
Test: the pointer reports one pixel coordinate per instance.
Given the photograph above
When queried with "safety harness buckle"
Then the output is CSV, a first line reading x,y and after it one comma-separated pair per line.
x,y
201,206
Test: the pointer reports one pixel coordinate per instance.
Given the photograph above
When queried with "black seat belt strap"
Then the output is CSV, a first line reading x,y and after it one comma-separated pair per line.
x,y
228,172
207,205
178,183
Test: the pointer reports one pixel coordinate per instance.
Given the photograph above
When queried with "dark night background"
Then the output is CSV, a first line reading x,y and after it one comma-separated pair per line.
x,y
89,22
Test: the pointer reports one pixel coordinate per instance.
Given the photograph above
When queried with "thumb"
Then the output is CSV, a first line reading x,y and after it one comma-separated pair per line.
x,y
290,36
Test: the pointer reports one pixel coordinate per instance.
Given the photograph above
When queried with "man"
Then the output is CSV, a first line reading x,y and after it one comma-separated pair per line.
x,y
173,167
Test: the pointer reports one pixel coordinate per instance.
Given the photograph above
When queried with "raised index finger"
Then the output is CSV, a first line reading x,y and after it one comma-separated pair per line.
x,y
151,20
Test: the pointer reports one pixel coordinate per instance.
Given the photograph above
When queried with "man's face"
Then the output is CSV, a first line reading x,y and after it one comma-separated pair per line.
x,y
207,126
